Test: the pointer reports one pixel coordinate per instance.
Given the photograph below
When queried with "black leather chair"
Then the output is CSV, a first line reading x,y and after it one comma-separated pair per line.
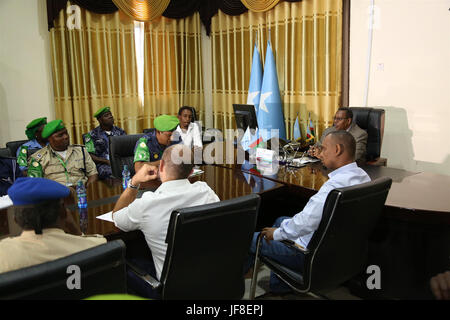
x,y
338,249
5,152
371,120
207,249
102,270
14,145
121,151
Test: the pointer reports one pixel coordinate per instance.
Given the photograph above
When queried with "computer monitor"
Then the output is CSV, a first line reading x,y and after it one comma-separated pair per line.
x,y
245,116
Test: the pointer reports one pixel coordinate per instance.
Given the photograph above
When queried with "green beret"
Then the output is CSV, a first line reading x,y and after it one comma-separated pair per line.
x,y
33,126
166,123
52,127
101,111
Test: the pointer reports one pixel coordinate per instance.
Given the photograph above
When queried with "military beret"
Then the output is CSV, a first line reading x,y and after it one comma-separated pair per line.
x,y
52,127
166,123
33,126
28,190
101,111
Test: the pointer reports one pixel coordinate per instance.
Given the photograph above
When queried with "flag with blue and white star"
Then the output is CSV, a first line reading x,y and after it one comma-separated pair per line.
x,y
270,114
254,88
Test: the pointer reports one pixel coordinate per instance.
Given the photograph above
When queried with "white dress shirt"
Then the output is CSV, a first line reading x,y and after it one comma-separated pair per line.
x,y
151,213
191,137
301,227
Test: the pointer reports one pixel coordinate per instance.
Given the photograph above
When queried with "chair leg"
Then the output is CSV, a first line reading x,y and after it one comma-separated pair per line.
x,y
255,269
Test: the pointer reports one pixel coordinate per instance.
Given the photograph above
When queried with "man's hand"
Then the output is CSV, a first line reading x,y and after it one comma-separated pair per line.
x,y
268,234
440,286
146,173
314,151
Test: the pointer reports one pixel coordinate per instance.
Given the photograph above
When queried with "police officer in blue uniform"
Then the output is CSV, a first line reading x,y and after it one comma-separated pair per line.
x,y
97,142
149,148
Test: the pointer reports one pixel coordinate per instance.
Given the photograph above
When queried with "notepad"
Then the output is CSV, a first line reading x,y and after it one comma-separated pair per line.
x,y
106,217
5,202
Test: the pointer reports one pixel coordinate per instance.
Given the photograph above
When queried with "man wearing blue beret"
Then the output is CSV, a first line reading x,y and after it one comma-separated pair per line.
x,y
60,161
39,210
150,147
97,141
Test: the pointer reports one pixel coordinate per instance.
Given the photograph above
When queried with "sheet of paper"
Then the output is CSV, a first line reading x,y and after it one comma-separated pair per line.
x,y
107,217
5,202
196,172
304,160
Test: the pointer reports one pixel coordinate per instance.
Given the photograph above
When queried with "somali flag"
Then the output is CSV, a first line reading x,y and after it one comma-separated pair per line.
x,y
270,114
254,88
297,132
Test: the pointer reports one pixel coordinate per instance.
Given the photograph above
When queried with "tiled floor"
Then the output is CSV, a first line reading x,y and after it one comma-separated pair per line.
x,y
262,287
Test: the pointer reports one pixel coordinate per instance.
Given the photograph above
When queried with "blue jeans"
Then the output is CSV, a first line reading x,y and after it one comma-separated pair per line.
x,y
279,252
139,287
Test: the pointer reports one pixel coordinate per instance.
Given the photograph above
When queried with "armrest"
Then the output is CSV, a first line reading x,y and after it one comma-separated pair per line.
x,y
295,246
144,275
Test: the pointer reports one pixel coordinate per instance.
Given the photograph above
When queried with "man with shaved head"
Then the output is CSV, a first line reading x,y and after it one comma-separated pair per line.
x,y
151,213
337,153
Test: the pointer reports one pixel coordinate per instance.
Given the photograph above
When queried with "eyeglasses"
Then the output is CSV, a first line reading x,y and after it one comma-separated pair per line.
x,y
339,119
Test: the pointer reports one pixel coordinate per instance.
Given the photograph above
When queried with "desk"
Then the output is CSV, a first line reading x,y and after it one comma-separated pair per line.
x,y
227,183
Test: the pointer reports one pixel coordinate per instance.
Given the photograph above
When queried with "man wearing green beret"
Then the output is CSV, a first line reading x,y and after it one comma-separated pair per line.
x,y
150,147
60,161
34,134
97,141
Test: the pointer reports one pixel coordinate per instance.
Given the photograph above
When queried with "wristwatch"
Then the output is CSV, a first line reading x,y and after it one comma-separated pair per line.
x,y
132,186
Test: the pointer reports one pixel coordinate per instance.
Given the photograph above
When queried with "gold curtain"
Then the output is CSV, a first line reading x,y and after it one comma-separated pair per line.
x,y
260,5
173,67
94,65
142,10
306,39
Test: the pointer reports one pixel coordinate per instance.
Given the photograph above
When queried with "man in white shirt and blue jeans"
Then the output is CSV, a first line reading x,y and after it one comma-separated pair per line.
x,y
337,154
151,213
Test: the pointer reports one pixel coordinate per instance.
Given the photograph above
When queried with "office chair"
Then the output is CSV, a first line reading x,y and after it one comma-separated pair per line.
x,y
5,152
371,120
14,145
338,249
121,152
102,270
207,249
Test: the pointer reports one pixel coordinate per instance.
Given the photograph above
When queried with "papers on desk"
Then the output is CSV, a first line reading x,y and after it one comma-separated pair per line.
x,y
304,160
196,172
5,202
106,217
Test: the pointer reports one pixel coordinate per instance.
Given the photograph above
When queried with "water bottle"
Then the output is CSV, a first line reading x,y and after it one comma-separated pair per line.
x,y
83,220
125,177
81,194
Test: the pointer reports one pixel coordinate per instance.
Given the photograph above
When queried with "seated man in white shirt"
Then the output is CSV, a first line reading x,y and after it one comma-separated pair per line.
x,y
338,154
151,213
188,131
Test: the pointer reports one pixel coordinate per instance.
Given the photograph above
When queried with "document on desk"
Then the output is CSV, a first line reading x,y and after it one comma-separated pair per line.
x,y
305,160
196,172
107,217
5,202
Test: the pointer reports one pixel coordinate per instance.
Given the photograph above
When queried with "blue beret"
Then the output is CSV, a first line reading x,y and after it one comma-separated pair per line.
x,y
36,190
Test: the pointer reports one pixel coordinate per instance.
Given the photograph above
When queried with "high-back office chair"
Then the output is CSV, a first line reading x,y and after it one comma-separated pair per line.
x,y
14,145
339,247
371,120
5,152
102,270
121,152
204,260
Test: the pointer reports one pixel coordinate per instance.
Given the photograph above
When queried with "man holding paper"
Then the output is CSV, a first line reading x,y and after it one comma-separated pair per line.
x,y
151,213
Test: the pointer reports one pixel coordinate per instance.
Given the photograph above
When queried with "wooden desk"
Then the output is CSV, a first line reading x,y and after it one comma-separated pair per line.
x,y
227,183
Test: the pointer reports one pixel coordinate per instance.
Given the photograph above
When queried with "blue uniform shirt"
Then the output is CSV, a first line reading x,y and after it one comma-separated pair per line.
x,y
101,141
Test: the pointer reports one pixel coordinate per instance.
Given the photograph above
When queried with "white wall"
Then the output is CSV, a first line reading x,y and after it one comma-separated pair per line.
x,y
25,67
409,78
